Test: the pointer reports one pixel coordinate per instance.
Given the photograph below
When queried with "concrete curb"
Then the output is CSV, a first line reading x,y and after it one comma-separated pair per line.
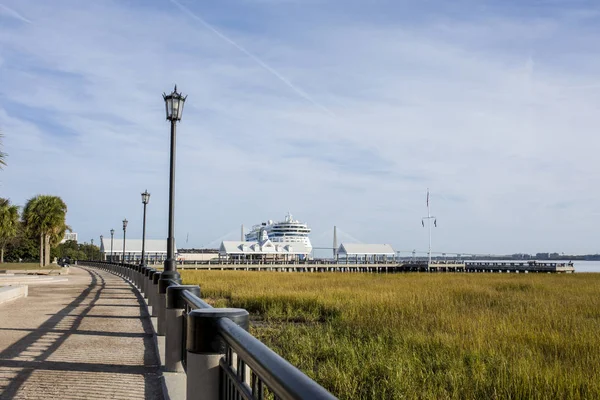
x,y
30,280
9,293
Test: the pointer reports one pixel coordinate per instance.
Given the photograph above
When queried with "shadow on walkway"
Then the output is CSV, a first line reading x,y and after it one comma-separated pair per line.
x,y
32,367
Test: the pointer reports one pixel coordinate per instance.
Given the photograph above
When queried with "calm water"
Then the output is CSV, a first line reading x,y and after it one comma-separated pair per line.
x,y
587,266
580,266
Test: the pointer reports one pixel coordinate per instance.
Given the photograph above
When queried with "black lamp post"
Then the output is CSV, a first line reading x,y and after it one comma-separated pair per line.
x,y
145,200
92,250
124,233
112,235
101,244
174,107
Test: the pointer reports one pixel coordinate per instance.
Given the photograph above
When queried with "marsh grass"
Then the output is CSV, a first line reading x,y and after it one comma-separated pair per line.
x,y
431,336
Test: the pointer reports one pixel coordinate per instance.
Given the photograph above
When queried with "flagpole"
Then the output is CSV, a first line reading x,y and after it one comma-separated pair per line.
x,y
429,224
429,217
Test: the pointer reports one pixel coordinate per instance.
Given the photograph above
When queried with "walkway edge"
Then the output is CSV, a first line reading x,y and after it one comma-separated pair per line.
x,y
10,293
171,382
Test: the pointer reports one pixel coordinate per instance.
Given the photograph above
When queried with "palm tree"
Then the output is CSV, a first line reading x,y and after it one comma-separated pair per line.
x,y
44,216
2,155
9,224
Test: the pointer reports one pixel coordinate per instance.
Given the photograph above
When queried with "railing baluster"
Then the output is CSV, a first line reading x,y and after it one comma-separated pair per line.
x,y
261,390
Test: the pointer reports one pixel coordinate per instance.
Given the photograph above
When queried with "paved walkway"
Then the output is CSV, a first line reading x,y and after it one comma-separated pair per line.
x,y
88,338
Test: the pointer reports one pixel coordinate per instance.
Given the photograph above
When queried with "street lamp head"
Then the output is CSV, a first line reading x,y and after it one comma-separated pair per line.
x,y
145,197
125,224
112,232
174,105
101,237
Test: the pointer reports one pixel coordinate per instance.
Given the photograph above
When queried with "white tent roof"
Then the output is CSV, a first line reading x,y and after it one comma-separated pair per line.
x,y
366,249
134,246
267,247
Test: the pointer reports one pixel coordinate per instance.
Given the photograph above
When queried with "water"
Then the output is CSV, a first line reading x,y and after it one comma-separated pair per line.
x,y
580,266
586,266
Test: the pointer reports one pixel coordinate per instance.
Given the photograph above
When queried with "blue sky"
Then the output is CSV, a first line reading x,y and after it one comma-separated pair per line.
x,y
341,112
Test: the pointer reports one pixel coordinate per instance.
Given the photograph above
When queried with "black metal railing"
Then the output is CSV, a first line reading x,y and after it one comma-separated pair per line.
x,y
248,368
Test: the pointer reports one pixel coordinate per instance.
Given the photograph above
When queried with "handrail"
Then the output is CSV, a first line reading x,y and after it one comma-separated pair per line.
x,y
193,301
285,380
255,360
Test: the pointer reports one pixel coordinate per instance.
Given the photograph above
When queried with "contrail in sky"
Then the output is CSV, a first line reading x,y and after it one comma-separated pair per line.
x,y
14,14
260,62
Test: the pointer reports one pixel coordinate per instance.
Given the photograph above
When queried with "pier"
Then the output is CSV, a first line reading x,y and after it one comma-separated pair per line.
x,y
388,267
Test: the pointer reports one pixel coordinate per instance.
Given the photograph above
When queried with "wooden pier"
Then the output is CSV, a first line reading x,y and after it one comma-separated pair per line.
x,y
396,267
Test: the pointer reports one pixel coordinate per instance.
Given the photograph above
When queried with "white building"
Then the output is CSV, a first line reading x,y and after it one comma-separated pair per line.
x,y
199,256
69,236
357,253
264,250
155,250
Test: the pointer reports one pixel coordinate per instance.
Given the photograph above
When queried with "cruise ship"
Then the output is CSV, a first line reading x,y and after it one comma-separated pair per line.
x,y
287,231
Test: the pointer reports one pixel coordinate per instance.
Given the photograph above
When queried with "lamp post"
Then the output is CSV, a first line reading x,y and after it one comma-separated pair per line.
x,y
124,233
174,108
112,235
92,250
145,201
101,244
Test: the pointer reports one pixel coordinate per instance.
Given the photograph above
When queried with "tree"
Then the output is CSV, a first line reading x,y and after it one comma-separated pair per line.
x,y
2,155
9,224
44,216
70,249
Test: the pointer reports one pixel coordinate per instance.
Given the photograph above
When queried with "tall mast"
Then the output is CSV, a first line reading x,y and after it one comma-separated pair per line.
x,y
335,246
429,217
429,224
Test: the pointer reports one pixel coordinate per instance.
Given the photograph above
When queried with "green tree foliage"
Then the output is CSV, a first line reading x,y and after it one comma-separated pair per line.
x,y
23,248
75,251
2,155
45,217
9,224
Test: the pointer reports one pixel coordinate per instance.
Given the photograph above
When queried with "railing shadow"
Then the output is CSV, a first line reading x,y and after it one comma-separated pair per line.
x,y
32,352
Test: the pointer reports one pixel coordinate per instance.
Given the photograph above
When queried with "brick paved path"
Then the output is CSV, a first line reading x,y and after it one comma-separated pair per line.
x,y
88,338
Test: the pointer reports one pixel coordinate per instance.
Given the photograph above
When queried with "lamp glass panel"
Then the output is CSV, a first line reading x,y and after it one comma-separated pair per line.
x,y
180,108
168,106
175,109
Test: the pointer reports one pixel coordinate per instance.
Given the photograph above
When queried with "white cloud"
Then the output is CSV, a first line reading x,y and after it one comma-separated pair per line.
x,y
503,138
7,11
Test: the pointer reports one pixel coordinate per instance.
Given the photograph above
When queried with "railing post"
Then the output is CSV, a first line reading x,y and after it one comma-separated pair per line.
x,y
141,273
155,279
143,279
149,286
147,282
136,276
174,321
205,349
162,306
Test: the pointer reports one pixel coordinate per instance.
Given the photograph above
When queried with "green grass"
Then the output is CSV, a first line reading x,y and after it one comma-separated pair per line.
x,y
25,266
426,336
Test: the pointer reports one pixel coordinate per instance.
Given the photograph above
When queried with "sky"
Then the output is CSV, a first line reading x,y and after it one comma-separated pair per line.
x,y
341,112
